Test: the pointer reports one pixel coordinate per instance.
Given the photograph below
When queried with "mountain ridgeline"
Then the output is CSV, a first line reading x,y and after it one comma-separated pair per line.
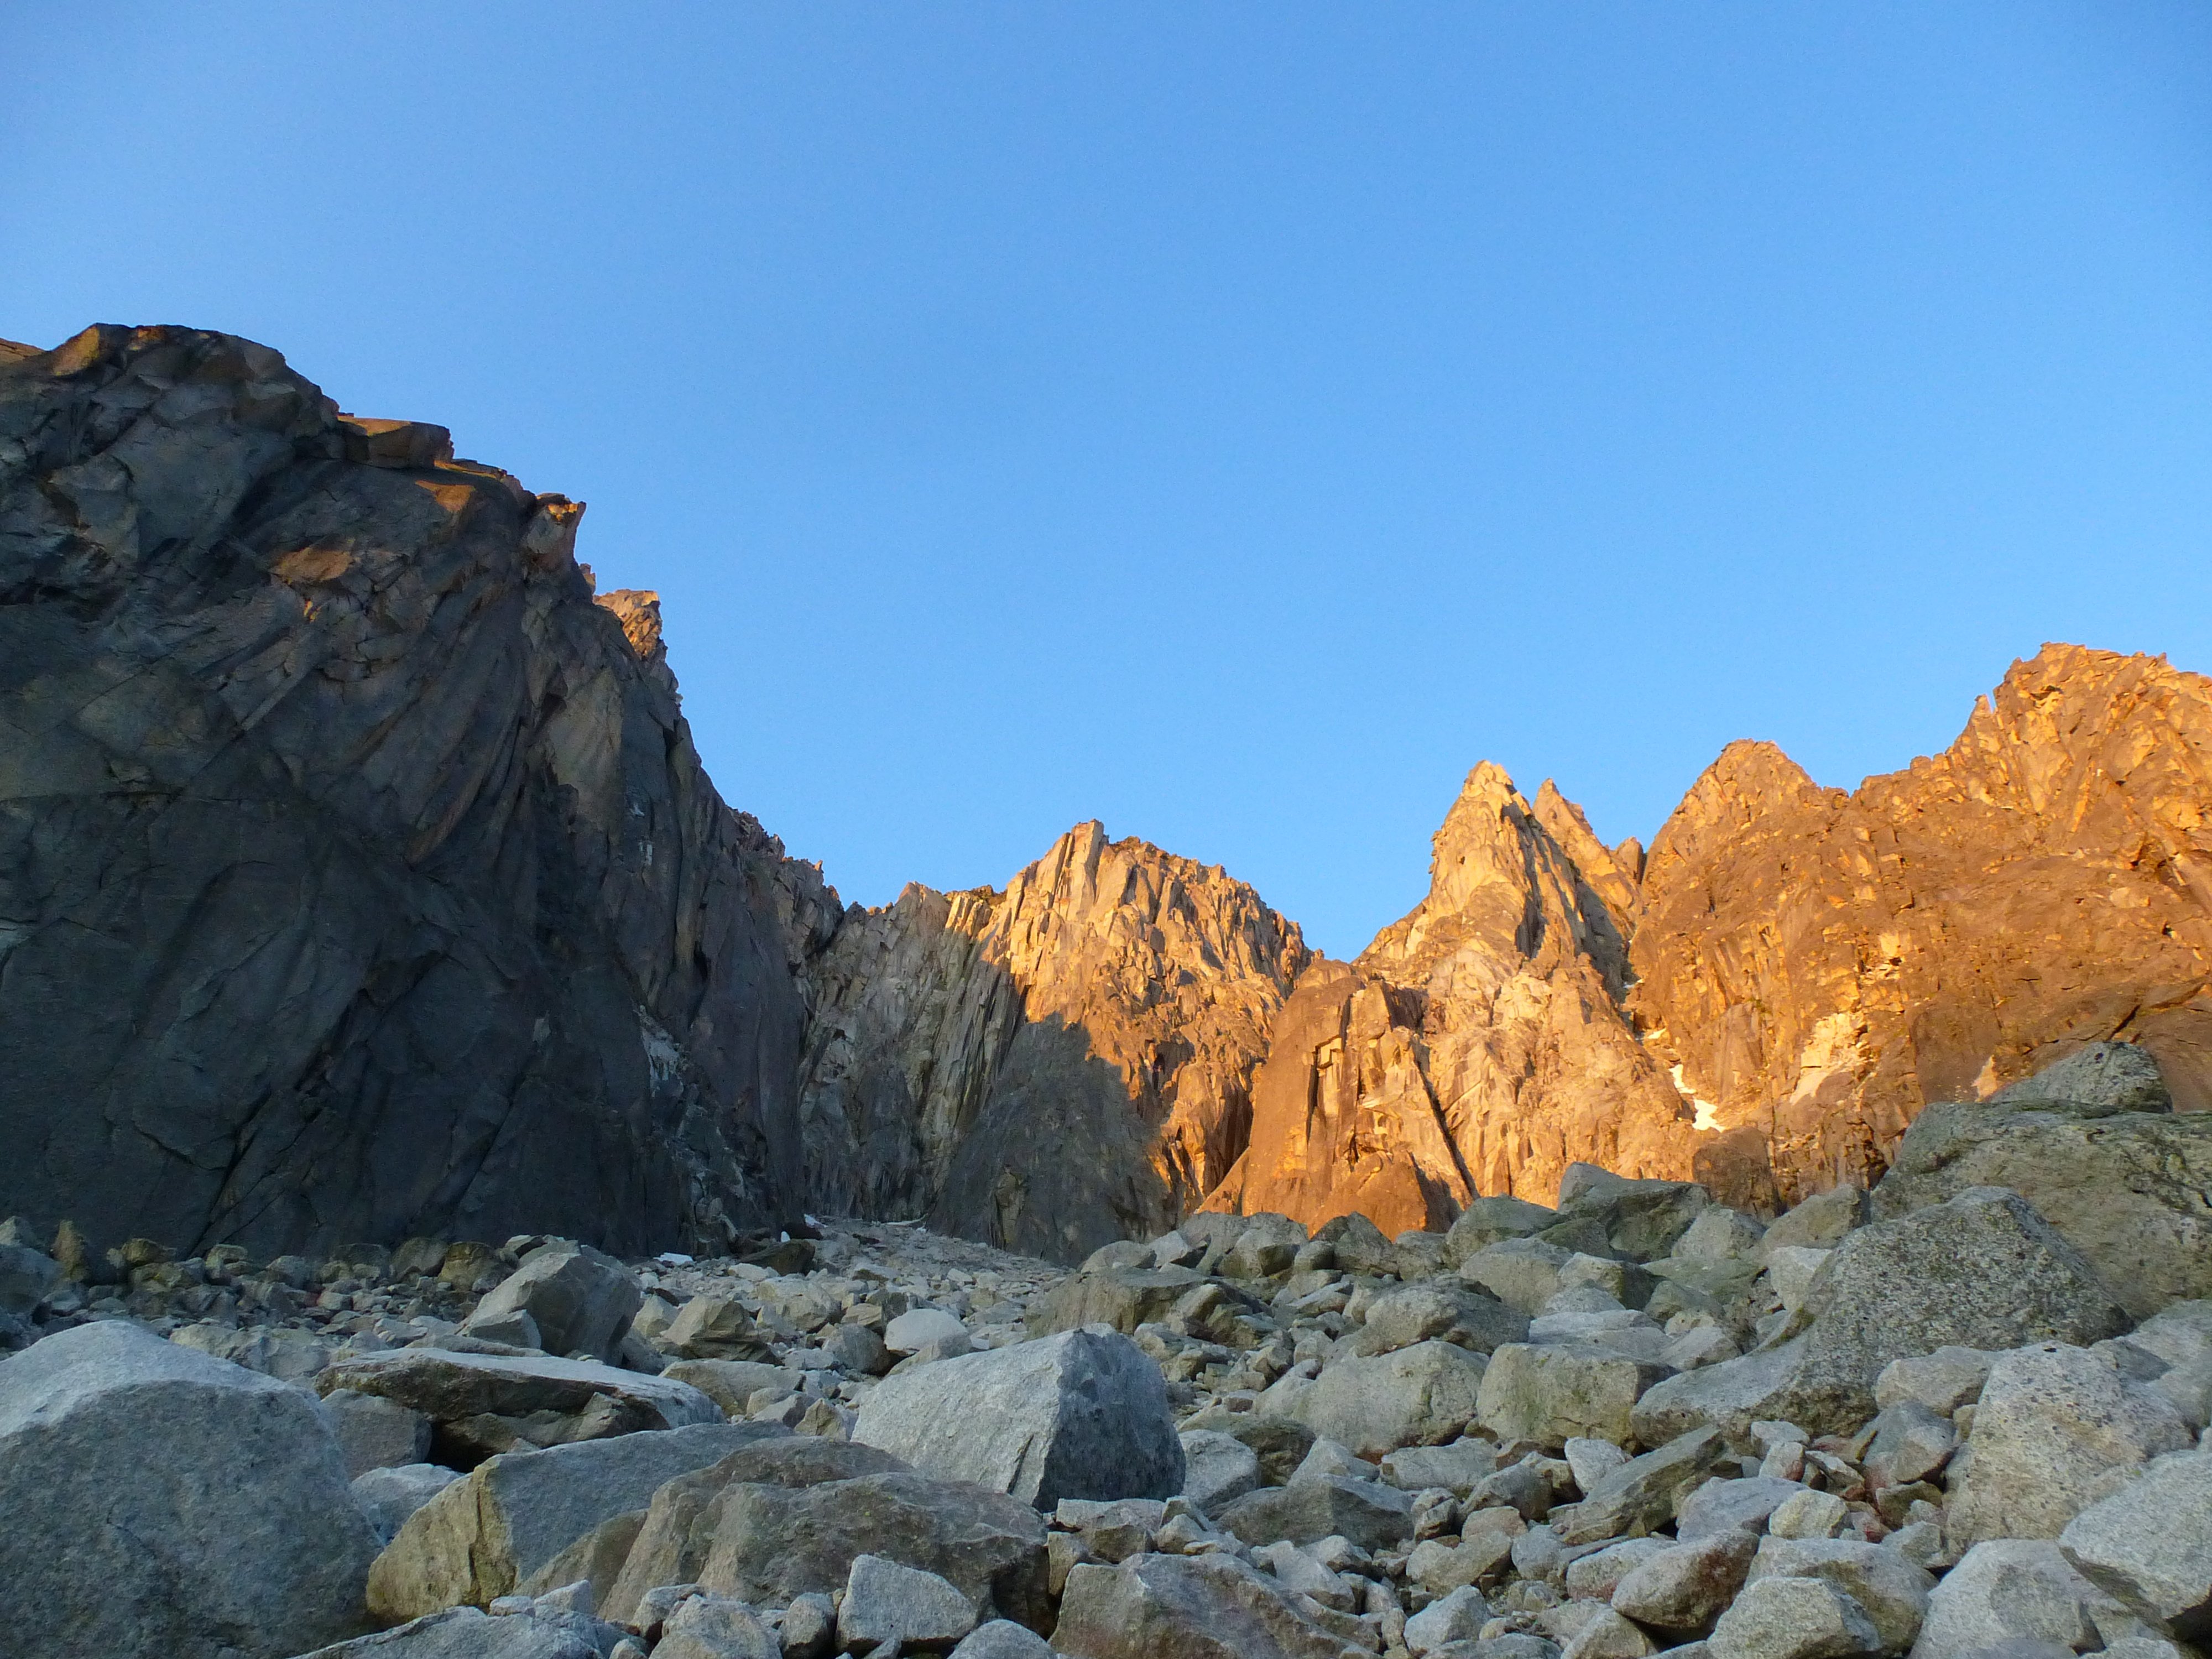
x,y
359,880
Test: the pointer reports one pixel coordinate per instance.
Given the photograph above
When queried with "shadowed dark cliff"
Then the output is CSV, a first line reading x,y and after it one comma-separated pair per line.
x,y
357,875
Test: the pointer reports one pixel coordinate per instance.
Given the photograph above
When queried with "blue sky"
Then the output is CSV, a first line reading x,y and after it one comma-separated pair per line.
x,y
1229,421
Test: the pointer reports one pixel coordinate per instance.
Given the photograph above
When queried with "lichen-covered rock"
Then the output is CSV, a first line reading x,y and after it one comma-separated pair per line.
x,y
1422,1395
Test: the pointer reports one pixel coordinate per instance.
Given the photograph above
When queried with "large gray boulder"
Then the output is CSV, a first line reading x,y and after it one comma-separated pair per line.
x,y
2012,1590
1641,1219
1082,1414
2057,1429
2093,1144
1644,1493
1441,1310
773,1543
1892,1590
1982,1270
159,1501
580,1300
1554,1394
1121,1298
480,1404
1423,1395
495,1533
2149,1545
1198,1607
677,1534
1794,1618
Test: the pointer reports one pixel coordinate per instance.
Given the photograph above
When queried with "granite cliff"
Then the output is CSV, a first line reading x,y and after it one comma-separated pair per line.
x,y
1821,964
1047,1068
357,876
358,879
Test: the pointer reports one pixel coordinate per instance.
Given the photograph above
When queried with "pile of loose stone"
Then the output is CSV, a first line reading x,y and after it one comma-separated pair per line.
x,y
1638,1423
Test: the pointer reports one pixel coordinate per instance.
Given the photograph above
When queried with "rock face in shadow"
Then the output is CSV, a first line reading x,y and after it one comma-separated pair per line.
x,y
1822,964
1047,1068
357,875
1479,1046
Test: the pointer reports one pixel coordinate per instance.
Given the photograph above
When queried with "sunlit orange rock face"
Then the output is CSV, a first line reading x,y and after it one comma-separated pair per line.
x,y
1478,1046
1050,1068
1768,999
1821,964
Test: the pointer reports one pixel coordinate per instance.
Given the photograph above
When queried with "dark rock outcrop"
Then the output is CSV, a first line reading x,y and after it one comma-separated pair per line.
x,y
357,875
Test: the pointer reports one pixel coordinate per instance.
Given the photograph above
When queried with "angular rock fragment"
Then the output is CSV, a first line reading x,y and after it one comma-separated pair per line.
x,y
1421,1396
772,1543
2056,1429
497,1533
1555,1394
1891,1589
677,1534
1204,1607
464,1633
1369,1514
2149,1545
482,1403
890,1607
1793,1619
2008,1590
1083,1415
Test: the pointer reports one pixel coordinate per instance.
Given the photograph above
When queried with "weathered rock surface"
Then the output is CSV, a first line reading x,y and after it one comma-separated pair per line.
x,y
1077,1415
1821,965
579,1300
1422,1395
464,1633
1048,1068
772,1543
2011,1589
2149,1545
495,1533
678,1533
159,1501
2127,1188
1164,1606
324,765
1980,1271
2056,1429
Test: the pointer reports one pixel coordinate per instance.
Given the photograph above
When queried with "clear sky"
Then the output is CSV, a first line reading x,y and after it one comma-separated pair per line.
x,y
1229,421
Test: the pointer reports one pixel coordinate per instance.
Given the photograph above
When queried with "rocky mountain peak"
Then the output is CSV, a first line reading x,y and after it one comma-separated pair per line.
x,y
1051,1066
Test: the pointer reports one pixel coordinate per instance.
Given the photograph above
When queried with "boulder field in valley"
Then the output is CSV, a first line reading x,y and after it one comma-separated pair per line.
x,y
1918,1424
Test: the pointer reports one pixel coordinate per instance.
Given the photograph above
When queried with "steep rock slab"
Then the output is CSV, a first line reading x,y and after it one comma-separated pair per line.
x,y
1821,965
159,1501
412,910
1051,1067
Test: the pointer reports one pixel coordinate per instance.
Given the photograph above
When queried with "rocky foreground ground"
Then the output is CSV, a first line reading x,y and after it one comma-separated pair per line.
x,y
1932,1420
